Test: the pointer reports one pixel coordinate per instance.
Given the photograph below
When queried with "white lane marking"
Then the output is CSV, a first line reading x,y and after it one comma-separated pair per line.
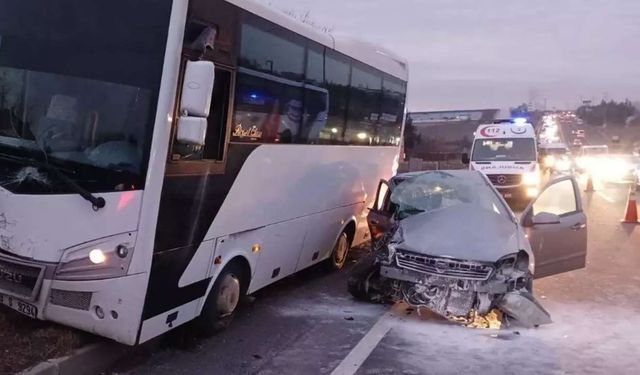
x,y
606,197
354,360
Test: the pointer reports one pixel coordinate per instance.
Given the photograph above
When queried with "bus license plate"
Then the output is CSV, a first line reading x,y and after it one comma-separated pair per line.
x,y
19,306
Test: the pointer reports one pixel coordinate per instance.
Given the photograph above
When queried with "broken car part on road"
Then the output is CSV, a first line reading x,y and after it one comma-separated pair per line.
x,y
448,242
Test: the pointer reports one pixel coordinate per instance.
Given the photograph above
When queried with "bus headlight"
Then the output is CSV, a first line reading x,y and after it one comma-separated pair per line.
x,y
531,179
101,259
96,256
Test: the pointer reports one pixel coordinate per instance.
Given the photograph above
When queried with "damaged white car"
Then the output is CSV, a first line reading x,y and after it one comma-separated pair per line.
x,y
447,241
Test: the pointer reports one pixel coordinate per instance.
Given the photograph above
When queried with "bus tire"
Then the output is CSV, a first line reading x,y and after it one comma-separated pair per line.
x,y
223,300
340,253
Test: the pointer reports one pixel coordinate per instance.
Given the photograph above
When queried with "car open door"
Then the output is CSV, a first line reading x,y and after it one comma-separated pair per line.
x,y
379,218
557,228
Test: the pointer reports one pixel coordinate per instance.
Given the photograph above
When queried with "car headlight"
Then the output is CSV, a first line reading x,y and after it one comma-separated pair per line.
x,y
517,261
389,256
563,164
101,259
532,178
549,161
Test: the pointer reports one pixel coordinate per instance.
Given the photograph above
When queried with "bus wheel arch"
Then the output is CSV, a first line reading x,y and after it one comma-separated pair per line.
x,y
350,230
224,298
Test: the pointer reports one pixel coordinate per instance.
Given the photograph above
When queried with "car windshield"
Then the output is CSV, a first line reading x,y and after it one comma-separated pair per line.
x,y
504,149
78,88
432,191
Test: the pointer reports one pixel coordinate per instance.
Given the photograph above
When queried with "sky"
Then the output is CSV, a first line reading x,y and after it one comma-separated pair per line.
x,y
470,54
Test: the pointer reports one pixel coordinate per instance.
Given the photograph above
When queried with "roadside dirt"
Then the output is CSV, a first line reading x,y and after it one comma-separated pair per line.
x,y
25,342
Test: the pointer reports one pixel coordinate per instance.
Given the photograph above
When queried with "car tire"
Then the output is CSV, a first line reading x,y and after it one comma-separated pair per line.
x,y
361,277
223,300
340,253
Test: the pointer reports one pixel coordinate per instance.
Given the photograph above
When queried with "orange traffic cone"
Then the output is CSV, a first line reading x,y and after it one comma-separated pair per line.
x,y
590,188
631,215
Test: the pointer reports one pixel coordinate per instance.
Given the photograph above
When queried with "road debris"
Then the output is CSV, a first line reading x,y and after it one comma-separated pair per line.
x,y
491,320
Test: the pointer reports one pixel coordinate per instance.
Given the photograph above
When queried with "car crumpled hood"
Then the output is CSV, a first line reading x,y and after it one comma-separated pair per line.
x,y
466,232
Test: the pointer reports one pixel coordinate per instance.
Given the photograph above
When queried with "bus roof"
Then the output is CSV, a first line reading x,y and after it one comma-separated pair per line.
x,y
365,52
505,130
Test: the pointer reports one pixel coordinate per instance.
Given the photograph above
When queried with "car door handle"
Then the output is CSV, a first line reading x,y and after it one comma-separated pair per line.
x,y
579,226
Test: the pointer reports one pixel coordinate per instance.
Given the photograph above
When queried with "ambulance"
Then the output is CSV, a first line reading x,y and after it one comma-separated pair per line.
x,y
506,152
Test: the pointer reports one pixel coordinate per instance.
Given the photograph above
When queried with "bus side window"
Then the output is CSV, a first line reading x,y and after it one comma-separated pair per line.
x,y
216,125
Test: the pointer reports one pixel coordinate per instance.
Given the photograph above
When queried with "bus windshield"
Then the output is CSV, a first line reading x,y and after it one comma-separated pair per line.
x,y
504,149
78,84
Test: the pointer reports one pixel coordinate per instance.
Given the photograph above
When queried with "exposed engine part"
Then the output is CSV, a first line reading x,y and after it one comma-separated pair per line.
x,y
491,320
463,291
484,303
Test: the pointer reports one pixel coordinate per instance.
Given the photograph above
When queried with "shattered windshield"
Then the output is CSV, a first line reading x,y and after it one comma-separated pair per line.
x,y
77,89
434,191
504,149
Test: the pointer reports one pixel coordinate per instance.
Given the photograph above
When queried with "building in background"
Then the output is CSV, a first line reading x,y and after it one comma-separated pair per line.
x,y
443,135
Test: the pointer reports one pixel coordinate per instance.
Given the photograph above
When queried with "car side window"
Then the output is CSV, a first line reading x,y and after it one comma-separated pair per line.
x,y
559,199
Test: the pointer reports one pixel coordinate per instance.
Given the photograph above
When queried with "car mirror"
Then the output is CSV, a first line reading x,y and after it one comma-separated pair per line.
x,y
465,158
544,218
197,91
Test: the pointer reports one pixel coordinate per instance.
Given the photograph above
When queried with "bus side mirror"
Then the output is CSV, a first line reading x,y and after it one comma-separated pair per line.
x,y
197,90
465,158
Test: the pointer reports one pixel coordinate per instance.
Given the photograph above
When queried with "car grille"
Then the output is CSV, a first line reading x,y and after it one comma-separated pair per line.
x,y
19,279
443,266
505,179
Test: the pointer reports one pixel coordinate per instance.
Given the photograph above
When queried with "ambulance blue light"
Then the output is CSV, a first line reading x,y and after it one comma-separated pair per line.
x,y
520,120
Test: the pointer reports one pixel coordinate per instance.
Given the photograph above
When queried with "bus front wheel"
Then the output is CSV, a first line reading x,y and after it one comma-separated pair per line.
x,y
340,252
223,300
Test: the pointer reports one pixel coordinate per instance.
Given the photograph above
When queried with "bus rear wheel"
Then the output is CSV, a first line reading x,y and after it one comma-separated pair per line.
x,y
223,301
340,252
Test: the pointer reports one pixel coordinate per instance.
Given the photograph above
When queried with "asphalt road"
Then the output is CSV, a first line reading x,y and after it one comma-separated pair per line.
x,y
308,324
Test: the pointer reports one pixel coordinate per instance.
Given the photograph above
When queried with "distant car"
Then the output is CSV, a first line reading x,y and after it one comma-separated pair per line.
x,y
556,158
447,241
592,158
577,142
619,169
580,133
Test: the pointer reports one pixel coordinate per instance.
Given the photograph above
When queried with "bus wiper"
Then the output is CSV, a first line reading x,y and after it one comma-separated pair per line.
x,y
97,202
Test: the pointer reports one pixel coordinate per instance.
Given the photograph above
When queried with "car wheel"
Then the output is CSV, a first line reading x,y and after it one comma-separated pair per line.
x,y
362,279
340,252
223,300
